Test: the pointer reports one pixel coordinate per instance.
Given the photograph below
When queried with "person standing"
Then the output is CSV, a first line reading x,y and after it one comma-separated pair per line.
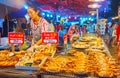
x,y
111,32
118,35
61,32
97,30
118,41
38,24
5,26
8,25
58,27
73,32
84,29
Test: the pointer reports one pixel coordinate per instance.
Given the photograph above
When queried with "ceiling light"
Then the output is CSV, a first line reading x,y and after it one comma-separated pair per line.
x,y
93,12
95,5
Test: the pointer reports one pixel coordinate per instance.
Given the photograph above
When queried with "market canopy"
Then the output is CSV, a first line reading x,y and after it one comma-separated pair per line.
x,y
65,7
58,7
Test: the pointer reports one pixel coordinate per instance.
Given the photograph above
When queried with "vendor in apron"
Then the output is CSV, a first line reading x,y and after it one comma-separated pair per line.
x,y
38,24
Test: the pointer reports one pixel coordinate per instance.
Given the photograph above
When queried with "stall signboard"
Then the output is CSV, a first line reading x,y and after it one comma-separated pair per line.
x,y
65,38
15,38
50,37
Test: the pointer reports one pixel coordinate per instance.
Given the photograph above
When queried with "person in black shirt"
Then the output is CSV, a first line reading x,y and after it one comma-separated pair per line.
x,y
8,25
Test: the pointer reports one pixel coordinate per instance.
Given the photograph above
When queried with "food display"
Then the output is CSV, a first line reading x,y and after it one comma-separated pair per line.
x,y
80,45
87,55
85,39
102,65
45,49
7,60
98,62
67,64
74,38
35,59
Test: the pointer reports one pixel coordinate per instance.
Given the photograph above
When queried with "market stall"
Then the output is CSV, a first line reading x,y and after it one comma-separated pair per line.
x,y
87,57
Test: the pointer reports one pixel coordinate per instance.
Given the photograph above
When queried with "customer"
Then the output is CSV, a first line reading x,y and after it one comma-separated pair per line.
x,y
118,41
61,32
118,36
8,25
84,29
114,36
97,30
73,32
38,24
58,27
111,32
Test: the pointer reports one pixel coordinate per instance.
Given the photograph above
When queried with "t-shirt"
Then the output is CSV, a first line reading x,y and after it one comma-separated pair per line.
x,y
38,29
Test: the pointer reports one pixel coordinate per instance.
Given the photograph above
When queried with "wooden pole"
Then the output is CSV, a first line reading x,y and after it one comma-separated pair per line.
x,y
13,48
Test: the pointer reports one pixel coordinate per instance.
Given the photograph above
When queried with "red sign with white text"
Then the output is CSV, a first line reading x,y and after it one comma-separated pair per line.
x,y
15,38
50,37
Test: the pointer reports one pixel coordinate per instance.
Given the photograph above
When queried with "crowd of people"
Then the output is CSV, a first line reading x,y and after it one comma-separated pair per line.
x,y
111,33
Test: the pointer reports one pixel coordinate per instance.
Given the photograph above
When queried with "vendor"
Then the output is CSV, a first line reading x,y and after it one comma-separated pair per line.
x,y
84,29
38,24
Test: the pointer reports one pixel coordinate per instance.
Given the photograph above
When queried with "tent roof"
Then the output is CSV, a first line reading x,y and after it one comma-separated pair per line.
x,y
66,7
58,7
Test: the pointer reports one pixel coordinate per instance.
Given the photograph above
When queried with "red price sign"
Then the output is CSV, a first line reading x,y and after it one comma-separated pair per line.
x,y
50,37
15,38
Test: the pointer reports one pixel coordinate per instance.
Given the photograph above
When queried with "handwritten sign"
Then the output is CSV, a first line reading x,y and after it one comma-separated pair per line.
x,y
50,37
15,38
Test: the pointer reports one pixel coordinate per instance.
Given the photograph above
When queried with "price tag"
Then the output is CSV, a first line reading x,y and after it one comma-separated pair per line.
x,y
15,38
50,37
